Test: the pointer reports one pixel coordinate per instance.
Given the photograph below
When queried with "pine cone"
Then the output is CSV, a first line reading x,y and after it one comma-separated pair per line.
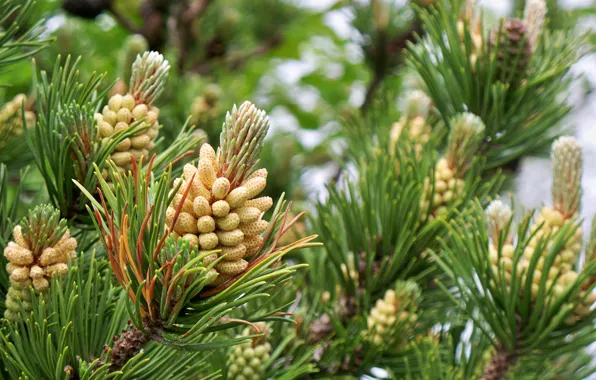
x,y
41,248
126,346
149,74
514,50
247,360
221,210
551,221
418,132
11,121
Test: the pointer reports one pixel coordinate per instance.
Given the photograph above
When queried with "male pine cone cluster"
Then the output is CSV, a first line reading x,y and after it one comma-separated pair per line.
x,y
467,132
394,315
566,195
11,119
499,216
41,249
221,209
413,122
149,73
247,360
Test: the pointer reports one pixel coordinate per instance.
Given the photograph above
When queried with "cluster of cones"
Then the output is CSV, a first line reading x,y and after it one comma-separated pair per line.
x,y
41,249
216,205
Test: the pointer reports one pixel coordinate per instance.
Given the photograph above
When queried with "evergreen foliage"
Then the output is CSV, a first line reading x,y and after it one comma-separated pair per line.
x,y
138,245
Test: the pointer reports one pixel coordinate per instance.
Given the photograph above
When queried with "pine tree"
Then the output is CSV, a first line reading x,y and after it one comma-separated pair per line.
x,y
136,248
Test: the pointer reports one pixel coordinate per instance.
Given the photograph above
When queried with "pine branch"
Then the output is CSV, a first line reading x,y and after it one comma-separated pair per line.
x,y
17,40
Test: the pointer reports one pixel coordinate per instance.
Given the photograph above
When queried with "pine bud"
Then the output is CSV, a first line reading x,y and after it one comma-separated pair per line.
x,y
134,45
534,16
263,203
416,104
447,188
499,215
417,130
241,142
205,108
567,173
149,74
467,133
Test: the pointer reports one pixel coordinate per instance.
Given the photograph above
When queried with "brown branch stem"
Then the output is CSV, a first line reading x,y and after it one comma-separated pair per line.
x,y
500,363
187,15
122,20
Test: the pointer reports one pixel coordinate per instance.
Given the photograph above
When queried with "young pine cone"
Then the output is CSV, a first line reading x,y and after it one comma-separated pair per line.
x,y
221,210
41,248
11,121
149,73
514,50
393,316
247,360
